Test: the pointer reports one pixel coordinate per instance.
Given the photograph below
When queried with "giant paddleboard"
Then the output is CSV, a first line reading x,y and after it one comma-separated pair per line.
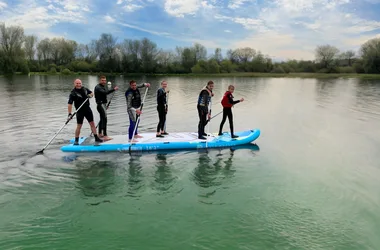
x,y
173,141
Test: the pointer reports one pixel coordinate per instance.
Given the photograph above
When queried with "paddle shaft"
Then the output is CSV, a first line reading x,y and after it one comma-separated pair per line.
x,y
138,119
167,102
68,120
209,123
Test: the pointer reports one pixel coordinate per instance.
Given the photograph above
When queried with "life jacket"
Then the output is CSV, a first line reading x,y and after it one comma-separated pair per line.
x,y
225,102
136,97
203,102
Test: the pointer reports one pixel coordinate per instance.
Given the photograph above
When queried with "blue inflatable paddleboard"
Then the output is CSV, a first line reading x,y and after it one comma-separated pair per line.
x,y
173,141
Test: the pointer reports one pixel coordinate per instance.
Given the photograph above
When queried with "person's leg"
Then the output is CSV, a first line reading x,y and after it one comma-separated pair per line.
x,y
229,114
100,127
132,125
223,121
90,118
80,117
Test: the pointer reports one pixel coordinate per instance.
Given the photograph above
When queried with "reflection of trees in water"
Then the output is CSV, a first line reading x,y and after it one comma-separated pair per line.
x,y
367,93
325,90
96,178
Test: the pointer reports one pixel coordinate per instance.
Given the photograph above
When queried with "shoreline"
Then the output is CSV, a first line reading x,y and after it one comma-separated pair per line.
x,y
235,74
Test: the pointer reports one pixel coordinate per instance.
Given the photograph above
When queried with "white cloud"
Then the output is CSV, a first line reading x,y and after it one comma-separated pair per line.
x,y
227,31
109,19
234,4
180,8
143,29
3,5
130,7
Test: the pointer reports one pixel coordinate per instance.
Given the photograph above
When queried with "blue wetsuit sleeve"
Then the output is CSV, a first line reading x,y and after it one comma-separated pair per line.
x,y
128,97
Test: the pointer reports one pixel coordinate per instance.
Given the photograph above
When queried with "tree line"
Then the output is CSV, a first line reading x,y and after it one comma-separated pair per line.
x,y
26,53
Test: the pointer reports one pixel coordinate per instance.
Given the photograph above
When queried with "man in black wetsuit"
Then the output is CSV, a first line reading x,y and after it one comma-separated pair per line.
x,y
227,103
78,95
133,100
101,101
162,108
204,99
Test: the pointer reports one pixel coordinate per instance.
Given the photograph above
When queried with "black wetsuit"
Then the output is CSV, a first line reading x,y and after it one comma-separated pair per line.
x,y
161,108
78,96
227,112
101,101
204,99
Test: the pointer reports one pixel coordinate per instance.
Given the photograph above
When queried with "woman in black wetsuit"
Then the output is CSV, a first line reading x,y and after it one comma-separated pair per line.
x,y
162,108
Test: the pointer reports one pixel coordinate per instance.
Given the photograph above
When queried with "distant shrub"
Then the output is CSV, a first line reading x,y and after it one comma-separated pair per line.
x,y
66,72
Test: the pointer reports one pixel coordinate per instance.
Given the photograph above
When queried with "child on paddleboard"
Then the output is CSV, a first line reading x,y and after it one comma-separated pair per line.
x,y
227,103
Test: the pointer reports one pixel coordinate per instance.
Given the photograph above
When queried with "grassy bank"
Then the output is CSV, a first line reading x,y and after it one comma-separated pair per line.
x,y
235,74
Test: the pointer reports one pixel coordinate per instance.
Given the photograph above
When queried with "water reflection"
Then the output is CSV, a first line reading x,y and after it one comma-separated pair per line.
x,y
325,91
96,178
213,174
135,176
164,179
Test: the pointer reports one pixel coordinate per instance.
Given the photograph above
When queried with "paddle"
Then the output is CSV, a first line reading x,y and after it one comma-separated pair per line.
x,y
138,119
68,120
209,123
108,104
167,102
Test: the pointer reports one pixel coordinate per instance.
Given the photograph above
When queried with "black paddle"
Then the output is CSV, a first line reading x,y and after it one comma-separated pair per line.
x,y
138,119
68,120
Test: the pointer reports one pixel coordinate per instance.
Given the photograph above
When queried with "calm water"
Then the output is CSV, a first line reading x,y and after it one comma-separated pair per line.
x,y
311,182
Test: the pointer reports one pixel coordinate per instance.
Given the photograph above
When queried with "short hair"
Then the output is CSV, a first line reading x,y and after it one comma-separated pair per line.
x,y
231,86
102,77
132,81
209,83
163,81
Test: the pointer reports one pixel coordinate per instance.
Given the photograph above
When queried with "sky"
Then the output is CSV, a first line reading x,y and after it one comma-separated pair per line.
x,y
281,29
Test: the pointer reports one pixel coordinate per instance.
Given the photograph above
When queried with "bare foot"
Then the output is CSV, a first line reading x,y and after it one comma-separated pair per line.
x,y
138,136
134,140
107,138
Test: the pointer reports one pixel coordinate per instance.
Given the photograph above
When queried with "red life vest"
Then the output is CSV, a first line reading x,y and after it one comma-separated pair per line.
x,y
225,103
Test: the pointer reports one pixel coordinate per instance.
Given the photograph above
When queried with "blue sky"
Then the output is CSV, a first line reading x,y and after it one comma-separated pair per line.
x,y
282,29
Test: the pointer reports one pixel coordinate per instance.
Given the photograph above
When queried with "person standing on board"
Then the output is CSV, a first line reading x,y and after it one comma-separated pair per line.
x,y
204,100
78,95
101,101
133,99
162,108
227,103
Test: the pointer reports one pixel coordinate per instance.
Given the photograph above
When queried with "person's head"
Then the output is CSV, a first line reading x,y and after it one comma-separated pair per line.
x,y
210,85
231,88
78,83
103,80
133,84
164,84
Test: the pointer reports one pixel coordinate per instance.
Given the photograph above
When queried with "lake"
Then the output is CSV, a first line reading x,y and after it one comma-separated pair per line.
x,y
312,181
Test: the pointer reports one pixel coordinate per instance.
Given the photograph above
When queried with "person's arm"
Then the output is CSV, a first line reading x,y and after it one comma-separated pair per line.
x,y
70,104
89,93
231,100
129,96
205,96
